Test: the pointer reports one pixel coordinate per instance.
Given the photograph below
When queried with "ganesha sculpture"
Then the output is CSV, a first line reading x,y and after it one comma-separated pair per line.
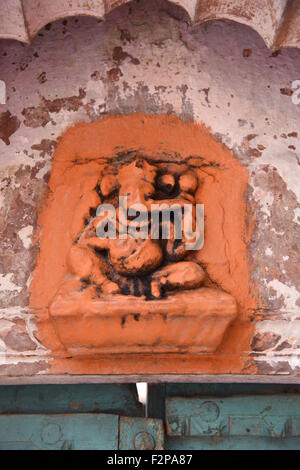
x,y
138,294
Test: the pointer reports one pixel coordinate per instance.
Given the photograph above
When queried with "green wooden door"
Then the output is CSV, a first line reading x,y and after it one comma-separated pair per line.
x,y
73,417
228,416
180,417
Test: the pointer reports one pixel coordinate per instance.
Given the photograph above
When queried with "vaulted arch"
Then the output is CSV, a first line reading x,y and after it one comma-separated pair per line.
x,y
277,21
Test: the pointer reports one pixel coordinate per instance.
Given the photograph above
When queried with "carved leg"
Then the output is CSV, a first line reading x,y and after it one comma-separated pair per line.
x,y
86,265
179,276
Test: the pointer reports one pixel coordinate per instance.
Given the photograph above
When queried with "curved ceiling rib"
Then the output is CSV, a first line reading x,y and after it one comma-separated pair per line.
x,y
277,21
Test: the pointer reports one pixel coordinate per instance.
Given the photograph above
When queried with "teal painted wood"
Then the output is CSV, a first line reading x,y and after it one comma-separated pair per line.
x,y
249,416
282,417
232,443
59,432
262,421
141,434
267,416
81,398
157,393
227,389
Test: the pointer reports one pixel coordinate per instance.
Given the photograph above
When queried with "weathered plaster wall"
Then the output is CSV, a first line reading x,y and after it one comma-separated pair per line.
x,y
147,57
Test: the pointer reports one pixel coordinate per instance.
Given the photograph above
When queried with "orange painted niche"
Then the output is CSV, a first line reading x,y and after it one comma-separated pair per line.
x,y
143,306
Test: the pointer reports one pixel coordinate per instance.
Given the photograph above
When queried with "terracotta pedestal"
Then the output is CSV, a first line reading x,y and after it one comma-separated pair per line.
x,y
193,321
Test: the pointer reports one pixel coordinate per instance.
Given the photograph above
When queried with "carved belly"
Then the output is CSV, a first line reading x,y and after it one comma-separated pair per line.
x,y
132,257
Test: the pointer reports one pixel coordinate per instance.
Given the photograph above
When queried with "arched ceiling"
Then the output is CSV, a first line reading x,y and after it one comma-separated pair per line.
x,y
277,21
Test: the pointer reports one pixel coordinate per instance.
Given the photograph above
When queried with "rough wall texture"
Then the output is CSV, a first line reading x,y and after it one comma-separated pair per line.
x,y
277,21
146,57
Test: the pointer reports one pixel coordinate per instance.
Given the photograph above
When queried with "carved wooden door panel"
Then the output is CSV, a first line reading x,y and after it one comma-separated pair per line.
x,y
181,417
228,416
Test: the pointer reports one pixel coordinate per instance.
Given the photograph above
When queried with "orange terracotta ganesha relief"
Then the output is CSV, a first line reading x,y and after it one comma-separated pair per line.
x,y
142,286
141,261
126,279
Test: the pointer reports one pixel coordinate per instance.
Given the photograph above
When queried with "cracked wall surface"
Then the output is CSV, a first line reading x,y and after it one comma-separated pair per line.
x,y
147,57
